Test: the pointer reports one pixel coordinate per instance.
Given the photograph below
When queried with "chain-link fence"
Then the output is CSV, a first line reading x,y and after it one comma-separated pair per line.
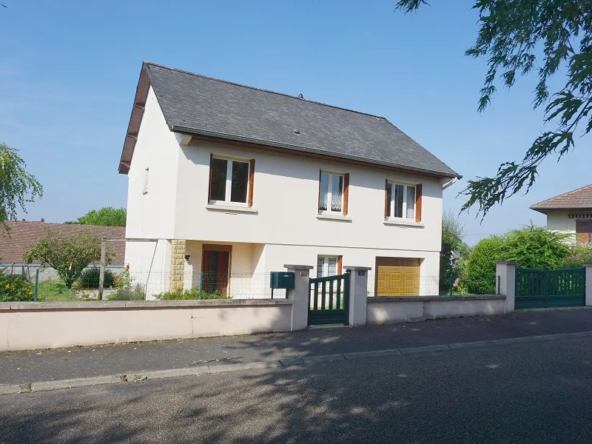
x,y
43,284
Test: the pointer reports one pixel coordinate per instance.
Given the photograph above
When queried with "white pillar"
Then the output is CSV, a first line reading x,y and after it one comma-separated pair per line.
x,y
588,285
299,295
358,294
505,282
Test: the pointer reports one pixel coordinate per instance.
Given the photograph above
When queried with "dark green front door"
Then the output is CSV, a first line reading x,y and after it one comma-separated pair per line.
x,y
328,301
546,289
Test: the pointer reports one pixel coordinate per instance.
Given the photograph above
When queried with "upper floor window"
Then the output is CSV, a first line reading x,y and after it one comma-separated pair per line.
x,y
401,201
333,193
584,232
231,180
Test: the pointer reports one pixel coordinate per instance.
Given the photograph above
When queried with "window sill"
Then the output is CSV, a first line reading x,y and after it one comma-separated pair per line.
x,y
339,217
231,209
405,223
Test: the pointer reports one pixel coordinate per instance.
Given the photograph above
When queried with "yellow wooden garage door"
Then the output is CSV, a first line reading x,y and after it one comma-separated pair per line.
x,y
397,276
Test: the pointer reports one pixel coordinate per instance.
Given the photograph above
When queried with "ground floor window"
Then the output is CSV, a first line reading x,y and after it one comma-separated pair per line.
x,y
329,266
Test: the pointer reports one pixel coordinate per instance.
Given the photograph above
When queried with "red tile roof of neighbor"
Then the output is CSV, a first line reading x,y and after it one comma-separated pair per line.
x,y
23,235
576,199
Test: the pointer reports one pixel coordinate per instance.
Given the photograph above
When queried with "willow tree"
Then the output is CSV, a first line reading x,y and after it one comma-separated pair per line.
x,y
17,187
520,37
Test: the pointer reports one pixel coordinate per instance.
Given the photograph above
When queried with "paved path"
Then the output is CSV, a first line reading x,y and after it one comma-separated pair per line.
x,y
537,392
51,365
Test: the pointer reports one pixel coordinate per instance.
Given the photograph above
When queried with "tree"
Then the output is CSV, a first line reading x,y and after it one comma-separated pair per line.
x,y
107,217
17,187
511,34
452,243
69,255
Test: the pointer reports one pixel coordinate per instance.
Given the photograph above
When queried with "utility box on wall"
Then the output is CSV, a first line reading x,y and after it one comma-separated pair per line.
x,y
281,279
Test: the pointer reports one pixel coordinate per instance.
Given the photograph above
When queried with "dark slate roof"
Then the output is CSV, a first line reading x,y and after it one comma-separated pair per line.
x,y
576,199
199,105
23,235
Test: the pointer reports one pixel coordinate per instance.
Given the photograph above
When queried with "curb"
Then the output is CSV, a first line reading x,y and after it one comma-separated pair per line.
x,y
44,386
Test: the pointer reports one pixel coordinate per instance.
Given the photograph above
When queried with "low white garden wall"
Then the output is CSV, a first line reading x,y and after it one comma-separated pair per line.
x,y
385,310
30,325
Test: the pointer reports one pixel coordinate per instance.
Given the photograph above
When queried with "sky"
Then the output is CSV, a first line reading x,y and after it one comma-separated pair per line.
x,y
69,69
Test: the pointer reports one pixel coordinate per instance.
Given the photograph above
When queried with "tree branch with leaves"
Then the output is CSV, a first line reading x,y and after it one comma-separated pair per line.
x,y
520,37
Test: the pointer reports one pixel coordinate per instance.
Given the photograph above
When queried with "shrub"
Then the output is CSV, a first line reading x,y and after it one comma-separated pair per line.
x,y
578,256
481,265
193,293
531,247
536,248
15,288
135,293
90,278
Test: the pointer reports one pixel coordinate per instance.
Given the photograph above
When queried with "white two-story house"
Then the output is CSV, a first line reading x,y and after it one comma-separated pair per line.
x,y
235,181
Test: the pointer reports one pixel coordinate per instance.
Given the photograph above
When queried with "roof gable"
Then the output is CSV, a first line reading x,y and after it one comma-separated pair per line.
x,y
199,105
576,199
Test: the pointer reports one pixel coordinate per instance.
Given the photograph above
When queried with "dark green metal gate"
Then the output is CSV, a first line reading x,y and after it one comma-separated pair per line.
x,y
555,288
328,301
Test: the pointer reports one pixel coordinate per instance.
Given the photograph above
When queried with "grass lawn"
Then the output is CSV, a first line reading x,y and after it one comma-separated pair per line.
x,y
55,291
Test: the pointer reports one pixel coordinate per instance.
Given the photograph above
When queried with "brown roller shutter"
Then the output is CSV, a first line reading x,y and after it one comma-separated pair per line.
x,y
251,181
345,193
210,180
386,199
319,202
418,202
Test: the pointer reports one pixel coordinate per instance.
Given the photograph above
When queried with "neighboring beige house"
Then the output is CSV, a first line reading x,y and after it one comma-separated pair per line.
x,y
570,213
238,181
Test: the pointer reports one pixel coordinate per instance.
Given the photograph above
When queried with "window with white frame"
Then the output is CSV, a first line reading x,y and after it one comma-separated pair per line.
x,y
146,178
328,266
331,193
229,180
400,201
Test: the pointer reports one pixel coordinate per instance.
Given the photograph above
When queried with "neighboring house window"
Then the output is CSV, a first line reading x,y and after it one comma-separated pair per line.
x,y
402,201
333,193
584,231
231,180
146,177
329,266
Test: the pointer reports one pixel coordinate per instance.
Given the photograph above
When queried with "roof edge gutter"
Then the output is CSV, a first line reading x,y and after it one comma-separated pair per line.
x,y
185,130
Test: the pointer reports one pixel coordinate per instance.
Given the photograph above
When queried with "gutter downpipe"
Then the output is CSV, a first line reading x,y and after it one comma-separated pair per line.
x,y
451,182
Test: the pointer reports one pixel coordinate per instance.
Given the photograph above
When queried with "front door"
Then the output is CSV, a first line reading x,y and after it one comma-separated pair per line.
x,y
215,266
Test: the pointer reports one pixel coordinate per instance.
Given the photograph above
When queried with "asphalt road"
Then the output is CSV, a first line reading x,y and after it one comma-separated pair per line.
x,y
519,393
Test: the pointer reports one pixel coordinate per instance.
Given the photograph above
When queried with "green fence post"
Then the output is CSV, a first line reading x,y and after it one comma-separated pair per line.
x,y
451,283
36,285
201,285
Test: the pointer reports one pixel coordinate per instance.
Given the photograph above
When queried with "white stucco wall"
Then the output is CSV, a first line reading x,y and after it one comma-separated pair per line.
x,y
46,325
286,199
559,221
386,310
151,214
